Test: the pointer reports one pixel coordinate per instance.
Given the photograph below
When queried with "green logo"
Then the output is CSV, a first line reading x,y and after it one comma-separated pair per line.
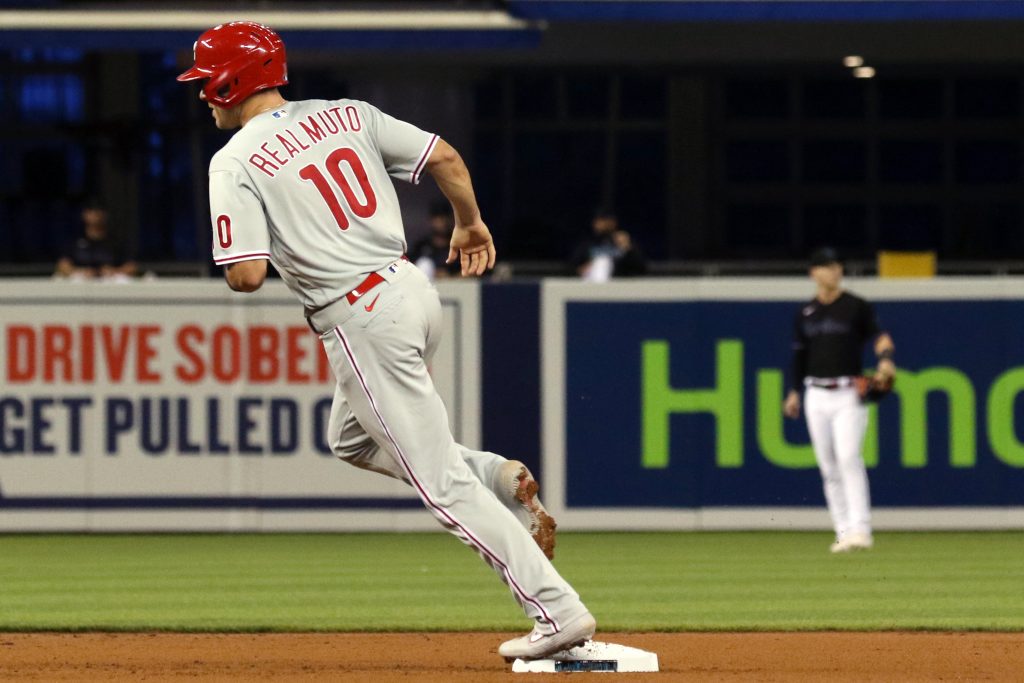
x,y
725,402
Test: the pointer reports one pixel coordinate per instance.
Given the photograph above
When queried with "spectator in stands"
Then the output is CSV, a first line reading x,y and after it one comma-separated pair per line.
x,y
96,254
608,252
430,253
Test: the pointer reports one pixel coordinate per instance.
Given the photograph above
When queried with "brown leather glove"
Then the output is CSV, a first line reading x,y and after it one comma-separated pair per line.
x,y
871,388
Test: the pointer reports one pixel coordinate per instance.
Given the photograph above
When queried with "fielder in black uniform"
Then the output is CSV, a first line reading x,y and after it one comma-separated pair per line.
x,y
828,341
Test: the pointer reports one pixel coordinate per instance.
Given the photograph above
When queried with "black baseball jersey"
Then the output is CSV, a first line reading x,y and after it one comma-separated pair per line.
x,y
93,253
828,339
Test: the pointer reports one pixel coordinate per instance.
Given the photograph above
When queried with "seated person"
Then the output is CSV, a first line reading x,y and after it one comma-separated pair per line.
x,y
608,252
431,252
95,254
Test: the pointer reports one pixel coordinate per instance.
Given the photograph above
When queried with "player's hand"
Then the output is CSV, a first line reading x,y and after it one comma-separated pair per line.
x,y
474,247
791,406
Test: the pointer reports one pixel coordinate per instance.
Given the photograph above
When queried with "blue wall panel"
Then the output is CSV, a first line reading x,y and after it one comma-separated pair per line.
x,y
511,371
971,344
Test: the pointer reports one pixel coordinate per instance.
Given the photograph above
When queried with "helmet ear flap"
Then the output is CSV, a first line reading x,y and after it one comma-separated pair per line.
x,y
218,89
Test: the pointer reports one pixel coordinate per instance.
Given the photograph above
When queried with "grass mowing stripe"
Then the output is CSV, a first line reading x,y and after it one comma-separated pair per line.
x,y
640,581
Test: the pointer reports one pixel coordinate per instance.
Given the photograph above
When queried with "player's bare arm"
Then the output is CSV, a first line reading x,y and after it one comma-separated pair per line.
x,y
471,240
884,350
791,406
247,276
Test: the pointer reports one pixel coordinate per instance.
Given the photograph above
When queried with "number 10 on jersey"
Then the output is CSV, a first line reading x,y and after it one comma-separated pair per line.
x,y
362,209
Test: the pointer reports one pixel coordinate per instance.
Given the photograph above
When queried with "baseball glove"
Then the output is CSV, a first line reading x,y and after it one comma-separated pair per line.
x,y
872,388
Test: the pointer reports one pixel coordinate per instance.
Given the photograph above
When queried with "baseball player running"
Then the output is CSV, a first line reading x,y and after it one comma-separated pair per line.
x,y
305,185
828,341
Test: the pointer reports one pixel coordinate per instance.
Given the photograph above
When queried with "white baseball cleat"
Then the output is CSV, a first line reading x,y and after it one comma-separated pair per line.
x,y
859,541
518,491
539,645
852,542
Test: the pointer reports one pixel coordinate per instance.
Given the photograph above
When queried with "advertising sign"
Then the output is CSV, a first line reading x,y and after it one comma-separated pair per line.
x,y
170,405
667,409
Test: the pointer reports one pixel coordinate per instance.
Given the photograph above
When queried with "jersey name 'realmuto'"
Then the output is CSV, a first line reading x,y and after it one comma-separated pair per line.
x,y
295,139
308,186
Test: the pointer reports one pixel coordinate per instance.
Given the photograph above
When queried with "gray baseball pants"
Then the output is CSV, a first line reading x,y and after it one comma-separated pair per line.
x,y
387,417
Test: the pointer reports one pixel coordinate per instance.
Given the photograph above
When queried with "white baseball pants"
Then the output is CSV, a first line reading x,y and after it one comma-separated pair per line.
x,y
387,417
837,421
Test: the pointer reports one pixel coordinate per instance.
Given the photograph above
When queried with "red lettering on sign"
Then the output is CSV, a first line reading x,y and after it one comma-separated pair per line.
x,y
115,350
56,352
88,357
295,352
21,353
145,353
226,354
264,348
186,337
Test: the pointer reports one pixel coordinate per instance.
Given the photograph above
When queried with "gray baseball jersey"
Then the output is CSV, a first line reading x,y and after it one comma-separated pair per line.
x,y
307,186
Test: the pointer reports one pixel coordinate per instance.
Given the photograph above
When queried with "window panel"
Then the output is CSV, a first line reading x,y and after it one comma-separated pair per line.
x,y
835,99
588,96
758,227
535,97
980,162
488,172
557,184
912,227
642,185
910,99
758,161
757,98
911,161
837,225
987,98
487,99
988,229
834,161
51,98
643,97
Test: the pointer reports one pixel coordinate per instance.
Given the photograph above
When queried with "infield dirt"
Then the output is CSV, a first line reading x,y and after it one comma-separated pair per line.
x,y
472,657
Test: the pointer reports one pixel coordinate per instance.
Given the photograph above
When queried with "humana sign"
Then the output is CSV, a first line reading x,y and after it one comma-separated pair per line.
x,y
725,402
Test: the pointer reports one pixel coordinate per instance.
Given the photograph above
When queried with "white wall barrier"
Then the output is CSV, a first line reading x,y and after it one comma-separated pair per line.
x,y
179,405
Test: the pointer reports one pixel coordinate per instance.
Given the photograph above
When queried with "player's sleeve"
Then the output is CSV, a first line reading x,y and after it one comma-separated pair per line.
x,y
403,147
798,364
239,224
869,321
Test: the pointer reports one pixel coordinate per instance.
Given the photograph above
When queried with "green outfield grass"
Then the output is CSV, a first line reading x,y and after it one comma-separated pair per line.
x,y
641,581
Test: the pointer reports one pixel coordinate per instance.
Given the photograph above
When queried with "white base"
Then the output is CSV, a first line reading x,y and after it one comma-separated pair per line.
x,y
591,656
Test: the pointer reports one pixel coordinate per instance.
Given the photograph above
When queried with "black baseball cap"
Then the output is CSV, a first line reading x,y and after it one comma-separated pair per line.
x,y
825,256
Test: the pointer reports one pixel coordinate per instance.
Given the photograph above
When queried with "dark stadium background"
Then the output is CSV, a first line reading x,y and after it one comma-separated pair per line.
x,y
725,143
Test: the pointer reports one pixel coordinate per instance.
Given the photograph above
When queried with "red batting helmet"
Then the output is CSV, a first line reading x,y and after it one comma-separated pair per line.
x,y
239,58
